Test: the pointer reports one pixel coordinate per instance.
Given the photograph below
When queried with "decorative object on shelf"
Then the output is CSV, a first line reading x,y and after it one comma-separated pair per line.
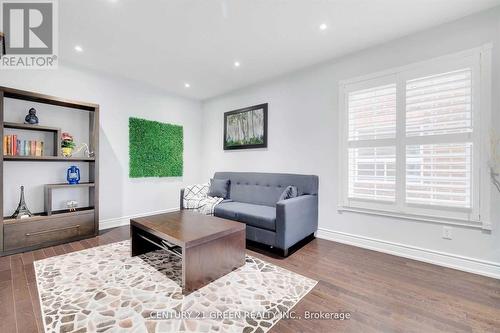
x,y
88,153
246,128
22,210
67,144
73,175
72,205
31,117
155,149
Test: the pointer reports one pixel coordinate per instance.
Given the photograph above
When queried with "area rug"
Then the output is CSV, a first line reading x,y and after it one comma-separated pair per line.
x,y
104,289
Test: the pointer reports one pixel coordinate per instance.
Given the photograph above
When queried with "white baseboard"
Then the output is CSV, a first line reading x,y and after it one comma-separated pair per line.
x,y
125,220
471,265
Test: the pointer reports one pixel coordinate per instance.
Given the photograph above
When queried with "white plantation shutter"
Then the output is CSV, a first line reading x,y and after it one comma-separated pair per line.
x,y
439,104
439,174
372,173
372,113
411,142
439,107
371,163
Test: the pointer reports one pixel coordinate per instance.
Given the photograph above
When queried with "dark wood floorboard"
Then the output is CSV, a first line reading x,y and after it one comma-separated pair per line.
x,y
383,293
23,303
7,309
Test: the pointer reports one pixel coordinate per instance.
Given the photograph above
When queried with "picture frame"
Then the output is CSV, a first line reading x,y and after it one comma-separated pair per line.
x,y
246,128
2,44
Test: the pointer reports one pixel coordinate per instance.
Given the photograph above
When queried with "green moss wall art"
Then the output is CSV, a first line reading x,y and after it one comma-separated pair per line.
x,y
155,149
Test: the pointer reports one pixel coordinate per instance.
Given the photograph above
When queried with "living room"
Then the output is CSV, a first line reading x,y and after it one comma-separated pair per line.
x,y
340,159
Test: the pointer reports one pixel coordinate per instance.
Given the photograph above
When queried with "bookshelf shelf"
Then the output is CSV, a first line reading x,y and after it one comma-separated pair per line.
x,y
31,127
59,226
65,185
48,158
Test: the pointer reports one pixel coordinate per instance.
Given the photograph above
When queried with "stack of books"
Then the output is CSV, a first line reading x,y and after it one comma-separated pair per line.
x,y
12,146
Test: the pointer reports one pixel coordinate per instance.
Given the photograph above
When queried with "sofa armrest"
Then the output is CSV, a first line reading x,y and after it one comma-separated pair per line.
x,y
182,199
296,218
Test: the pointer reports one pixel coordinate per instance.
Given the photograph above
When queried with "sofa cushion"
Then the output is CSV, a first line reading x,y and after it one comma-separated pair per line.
x,y
218,188
255,215
288,193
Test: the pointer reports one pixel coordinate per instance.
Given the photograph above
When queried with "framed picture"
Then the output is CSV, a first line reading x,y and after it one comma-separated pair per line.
x,y
2,44
246,128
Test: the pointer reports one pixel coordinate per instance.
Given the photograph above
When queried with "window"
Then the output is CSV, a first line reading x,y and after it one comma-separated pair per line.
x,y
411,138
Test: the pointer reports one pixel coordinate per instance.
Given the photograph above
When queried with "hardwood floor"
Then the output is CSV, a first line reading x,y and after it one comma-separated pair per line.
x,y
383,293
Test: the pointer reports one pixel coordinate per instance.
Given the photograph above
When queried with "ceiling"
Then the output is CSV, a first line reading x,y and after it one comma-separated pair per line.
x,y
168,43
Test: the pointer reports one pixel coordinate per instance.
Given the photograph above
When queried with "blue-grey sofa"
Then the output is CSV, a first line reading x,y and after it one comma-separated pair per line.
x,y
253,199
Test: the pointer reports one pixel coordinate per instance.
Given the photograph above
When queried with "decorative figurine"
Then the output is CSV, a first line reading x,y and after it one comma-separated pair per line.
x,y
88,153
22,210
72,205
31,117
73,175
67,144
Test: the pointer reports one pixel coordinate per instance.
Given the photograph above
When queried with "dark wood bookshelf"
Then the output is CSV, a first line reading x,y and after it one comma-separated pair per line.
x,y
60,226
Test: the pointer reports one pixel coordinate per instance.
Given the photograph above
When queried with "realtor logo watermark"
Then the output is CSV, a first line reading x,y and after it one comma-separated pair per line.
x,y
30,29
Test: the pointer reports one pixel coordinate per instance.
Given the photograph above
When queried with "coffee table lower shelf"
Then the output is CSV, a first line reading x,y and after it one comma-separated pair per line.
x,y
202,261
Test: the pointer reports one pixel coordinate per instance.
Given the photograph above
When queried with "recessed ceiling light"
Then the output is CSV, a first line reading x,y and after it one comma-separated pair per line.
x,y
187,85
323,26
236,64
78,48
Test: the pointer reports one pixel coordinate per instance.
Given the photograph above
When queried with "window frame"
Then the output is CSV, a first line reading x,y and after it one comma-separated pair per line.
x,y
479,60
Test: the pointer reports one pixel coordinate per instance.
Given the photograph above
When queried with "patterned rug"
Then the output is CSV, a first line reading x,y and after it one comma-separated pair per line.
x,y
103,289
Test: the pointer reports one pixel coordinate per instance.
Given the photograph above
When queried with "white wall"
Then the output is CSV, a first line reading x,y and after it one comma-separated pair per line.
x,y
303,129
120,196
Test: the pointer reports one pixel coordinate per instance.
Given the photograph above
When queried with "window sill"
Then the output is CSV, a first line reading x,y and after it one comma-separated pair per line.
x,y
430,219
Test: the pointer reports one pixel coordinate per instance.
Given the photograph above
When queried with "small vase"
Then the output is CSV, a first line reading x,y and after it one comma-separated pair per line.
x,y
67,151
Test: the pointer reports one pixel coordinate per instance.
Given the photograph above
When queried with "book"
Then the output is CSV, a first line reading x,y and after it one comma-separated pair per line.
x,y
5,144
38,148
14,145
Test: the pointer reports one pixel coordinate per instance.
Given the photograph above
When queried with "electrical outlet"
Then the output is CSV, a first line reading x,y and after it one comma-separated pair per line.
x,y
447,232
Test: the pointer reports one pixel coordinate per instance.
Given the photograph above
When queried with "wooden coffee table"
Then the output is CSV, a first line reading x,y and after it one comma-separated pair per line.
x,y
210,247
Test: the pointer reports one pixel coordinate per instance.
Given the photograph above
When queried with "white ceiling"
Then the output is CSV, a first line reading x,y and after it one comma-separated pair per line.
x,y
167,43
